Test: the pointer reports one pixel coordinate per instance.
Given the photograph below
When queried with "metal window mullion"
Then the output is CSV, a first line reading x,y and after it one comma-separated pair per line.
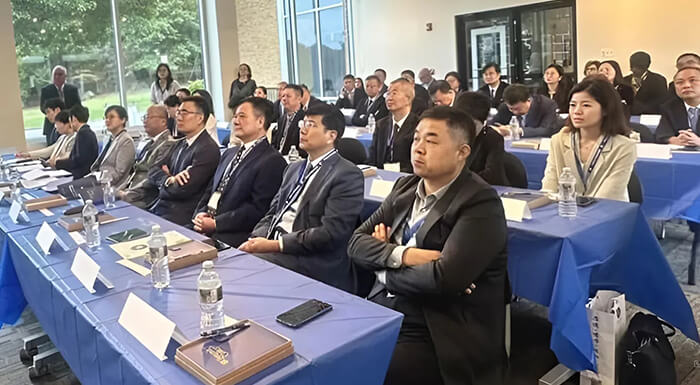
x,y
204,43
293,31
119,54
282,33
347,35
317,21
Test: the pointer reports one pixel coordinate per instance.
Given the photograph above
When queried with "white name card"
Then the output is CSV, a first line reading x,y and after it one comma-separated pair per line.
x,y
85,269
516,209
45,237
381,188
134,267
395,167
649,120
14,211
545,144
151,328
653,151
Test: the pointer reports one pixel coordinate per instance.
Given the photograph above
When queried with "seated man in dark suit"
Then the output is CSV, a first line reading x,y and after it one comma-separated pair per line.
x,y
649,87
442,94
486,158
688,59
349,96
437,245
183,176
58,89
494,87
536,114
308,100
246,180
372,104
381,74
286,134
680,116
391,141
421,97
277,108
317,208
85,148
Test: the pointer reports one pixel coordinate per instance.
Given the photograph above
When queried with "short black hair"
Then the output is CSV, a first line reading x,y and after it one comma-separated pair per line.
x,y
185,90
349,76
439,85
263,88
589,63
516,93
201,103
381,70
63,117
80,113
409,73
304,87
457,121
493,65
121,111
475,104
640,59
172,101
372,77
207,97
261,107
296,88
55,103
331,118
613,115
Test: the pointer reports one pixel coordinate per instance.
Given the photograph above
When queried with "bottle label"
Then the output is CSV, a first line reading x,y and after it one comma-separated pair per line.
x,y
211,295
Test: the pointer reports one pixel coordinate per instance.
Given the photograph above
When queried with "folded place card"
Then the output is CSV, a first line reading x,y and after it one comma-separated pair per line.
x,y
151,328
381,188
516,209
545,144
649,120
395,167
85,269
653,151
46,212
134,267
45,237
15,208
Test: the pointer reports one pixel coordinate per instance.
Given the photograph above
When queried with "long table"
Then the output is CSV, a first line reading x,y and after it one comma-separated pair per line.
x,y
560,263
351,344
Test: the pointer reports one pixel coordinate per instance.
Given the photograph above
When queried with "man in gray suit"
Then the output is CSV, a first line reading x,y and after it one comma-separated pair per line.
x,y
137,189
315,211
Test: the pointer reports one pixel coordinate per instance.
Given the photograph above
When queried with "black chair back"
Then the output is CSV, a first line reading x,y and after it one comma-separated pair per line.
x,y
644,132
515,171
634,189
352,150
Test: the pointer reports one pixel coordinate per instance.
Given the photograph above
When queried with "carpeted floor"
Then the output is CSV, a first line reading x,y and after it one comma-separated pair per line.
x,y
530,354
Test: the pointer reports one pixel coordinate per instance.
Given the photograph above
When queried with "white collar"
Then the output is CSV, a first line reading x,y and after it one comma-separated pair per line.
x,y
192,139
318,160
248,145
494,88
400,122
155,138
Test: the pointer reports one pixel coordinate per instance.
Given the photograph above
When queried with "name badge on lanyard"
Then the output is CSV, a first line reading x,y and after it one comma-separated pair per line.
x,y
584,175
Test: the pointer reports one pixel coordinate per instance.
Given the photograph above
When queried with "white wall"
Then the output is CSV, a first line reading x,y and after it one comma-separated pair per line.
x,y
10,101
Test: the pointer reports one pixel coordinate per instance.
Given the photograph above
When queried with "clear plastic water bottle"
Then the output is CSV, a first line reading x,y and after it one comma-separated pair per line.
x,y
293,154
371,124
158,255
91,225
514,128
567,194
211,298
108,194
16,195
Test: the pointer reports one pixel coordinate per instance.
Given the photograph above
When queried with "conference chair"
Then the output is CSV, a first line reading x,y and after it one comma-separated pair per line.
x,y
352,150
634,189
515,171
645,133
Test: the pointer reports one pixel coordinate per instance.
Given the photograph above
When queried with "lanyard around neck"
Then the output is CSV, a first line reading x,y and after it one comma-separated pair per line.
x,y
584,175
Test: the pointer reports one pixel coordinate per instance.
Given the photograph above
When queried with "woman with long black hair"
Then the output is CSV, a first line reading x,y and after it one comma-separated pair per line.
x,y
164,84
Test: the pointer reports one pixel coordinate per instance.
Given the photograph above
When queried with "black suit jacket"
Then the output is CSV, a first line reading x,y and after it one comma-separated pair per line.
x,y
177,203
498,99
277,110
674,118
468,226
650,95
70,98
402,143
327,215
247,195
541,120
357,95
486,158
421,100
83,154
292,135
378,108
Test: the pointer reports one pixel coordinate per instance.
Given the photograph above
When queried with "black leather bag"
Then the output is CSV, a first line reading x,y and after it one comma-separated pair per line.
x,y
648,355
85,188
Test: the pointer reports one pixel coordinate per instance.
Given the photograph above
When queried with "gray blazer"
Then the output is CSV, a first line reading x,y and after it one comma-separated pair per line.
x,y
65,148
118,160
138,190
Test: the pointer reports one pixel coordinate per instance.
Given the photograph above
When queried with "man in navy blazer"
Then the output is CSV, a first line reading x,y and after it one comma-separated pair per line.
x,y
58,89
373,103
246,180
317,208
183,176
85,149
680,117
537,114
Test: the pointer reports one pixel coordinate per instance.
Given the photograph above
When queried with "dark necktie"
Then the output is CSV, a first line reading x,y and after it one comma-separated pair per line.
x,y
178,158
291,198
693,118
230,169
521,121
145,150
493,94
101,158
390,142
60,93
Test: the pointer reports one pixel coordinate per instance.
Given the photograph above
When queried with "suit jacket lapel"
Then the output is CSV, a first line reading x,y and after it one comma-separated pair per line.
x,y
254,154
440,207
319,180
382,136
401,207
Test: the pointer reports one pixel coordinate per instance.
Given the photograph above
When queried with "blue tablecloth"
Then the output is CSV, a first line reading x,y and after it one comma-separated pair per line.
x,y
350,345
560,263
365,139
671,187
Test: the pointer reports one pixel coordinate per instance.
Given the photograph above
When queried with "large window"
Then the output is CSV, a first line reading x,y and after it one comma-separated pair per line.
x,y
80,35
315,50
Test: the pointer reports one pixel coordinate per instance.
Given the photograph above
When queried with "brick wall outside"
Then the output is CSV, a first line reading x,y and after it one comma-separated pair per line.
x,y
258,39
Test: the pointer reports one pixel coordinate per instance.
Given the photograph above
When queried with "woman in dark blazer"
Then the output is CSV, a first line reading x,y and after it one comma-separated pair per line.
x,y
556,86
244,85
612,71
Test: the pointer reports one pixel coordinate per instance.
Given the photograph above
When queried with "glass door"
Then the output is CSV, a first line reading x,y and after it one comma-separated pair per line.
x,y
487,40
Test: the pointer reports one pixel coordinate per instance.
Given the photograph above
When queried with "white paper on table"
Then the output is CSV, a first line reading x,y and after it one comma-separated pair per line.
x,y
350,132
653,151
15,162
27,196
649,120
45,237
395,167
5,191
85,269
37,183
57,173
23,169
516,209
46,212
77,237
381,188
134,266
151,328
34,174
545,144
15,208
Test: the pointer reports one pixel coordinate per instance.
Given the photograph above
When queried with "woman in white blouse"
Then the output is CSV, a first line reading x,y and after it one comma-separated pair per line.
x,y
164,85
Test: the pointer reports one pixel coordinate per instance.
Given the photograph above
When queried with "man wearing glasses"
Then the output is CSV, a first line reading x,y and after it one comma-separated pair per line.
x,y
183,176
137,189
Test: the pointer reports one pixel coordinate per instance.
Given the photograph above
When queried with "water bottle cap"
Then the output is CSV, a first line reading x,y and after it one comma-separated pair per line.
x,y
207,264
88,202
155,228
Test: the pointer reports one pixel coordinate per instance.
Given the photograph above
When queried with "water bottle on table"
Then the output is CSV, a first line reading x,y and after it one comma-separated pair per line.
x,y
371,124
567,194
293,154
108,193
514,128
211,298
158,255
91,225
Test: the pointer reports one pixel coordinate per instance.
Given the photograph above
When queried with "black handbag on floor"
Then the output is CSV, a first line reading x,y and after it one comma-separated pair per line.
x,y
648,355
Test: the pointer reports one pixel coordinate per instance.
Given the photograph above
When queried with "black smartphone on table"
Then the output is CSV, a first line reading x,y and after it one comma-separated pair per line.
x,y
304,313
127,235
585,201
